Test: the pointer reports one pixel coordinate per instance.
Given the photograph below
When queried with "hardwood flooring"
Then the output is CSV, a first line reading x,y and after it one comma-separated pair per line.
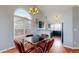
x,y
59,48
14,50
56,48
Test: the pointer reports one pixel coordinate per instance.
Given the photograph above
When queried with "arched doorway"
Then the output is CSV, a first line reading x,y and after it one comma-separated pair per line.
x,y
22,23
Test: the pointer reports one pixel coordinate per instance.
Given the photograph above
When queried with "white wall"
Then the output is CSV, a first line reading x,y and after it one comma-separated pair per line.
x,y
6,28
71,28
68,28
76,27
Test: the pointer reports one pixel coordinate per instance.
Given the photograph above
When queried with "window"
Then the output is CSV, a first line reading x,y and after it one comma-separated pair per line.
x,y
52,26
22,22
22,13
56,27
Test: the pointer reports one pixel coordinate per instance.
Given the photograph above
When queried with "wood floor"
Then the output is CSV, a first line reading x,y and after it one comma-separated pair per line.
x,y
64,50
14,50
56,48
59,48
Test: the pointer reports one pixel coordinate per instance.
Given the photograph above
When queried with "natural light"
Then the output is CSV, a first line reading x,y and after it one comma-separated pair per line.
x,y
22,13
56,26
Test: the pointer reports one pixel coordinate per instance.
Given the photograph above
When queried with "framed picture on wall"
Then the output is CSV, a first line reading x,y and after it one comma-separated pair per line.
x,y
41,24
49,25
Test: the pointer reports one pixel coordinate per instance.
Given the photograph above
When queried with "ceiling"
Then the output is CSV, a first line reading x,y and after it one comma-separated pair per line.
x,y
52,10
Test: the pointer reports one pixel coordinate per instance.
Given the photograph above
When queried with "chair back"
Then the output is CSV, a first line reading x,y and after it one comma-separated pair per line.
x,y
19,46
42,44
49,44
22,47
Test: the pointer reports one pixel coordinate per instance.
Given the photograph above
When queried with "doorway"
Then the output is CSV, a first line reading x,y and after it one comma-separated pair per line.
x,y
57,31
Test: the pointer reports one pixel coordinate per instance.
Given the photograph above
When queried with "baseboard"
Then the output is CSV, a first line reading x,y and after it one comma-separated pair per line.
x,y
71,47
68,46
75,47
7,49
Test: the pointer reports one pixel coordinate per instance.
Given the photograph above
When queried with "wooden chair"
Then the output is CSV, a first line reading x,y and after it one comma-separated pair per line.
x,y
20,47
42,44
49,44
37,50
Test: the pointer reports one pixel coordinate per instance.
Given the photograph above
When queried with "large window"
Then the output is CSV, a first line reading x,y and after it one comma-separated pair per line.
x,y
22,23
56,27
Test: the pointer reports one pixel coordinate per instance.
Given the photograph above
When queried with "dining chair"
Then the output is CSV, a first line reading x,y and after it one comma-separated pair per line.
x,y
49,44
18,46
42,44
37,50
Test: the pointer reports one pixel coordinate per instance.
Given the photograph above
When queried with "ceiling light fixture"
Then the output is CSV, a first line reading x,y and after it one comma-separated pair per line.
x,y
57,18
33,10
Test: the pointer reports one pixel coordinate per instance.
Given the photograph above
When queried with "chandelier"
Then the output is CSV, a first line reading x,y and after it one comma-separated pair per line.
x,y
33,10
57,18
